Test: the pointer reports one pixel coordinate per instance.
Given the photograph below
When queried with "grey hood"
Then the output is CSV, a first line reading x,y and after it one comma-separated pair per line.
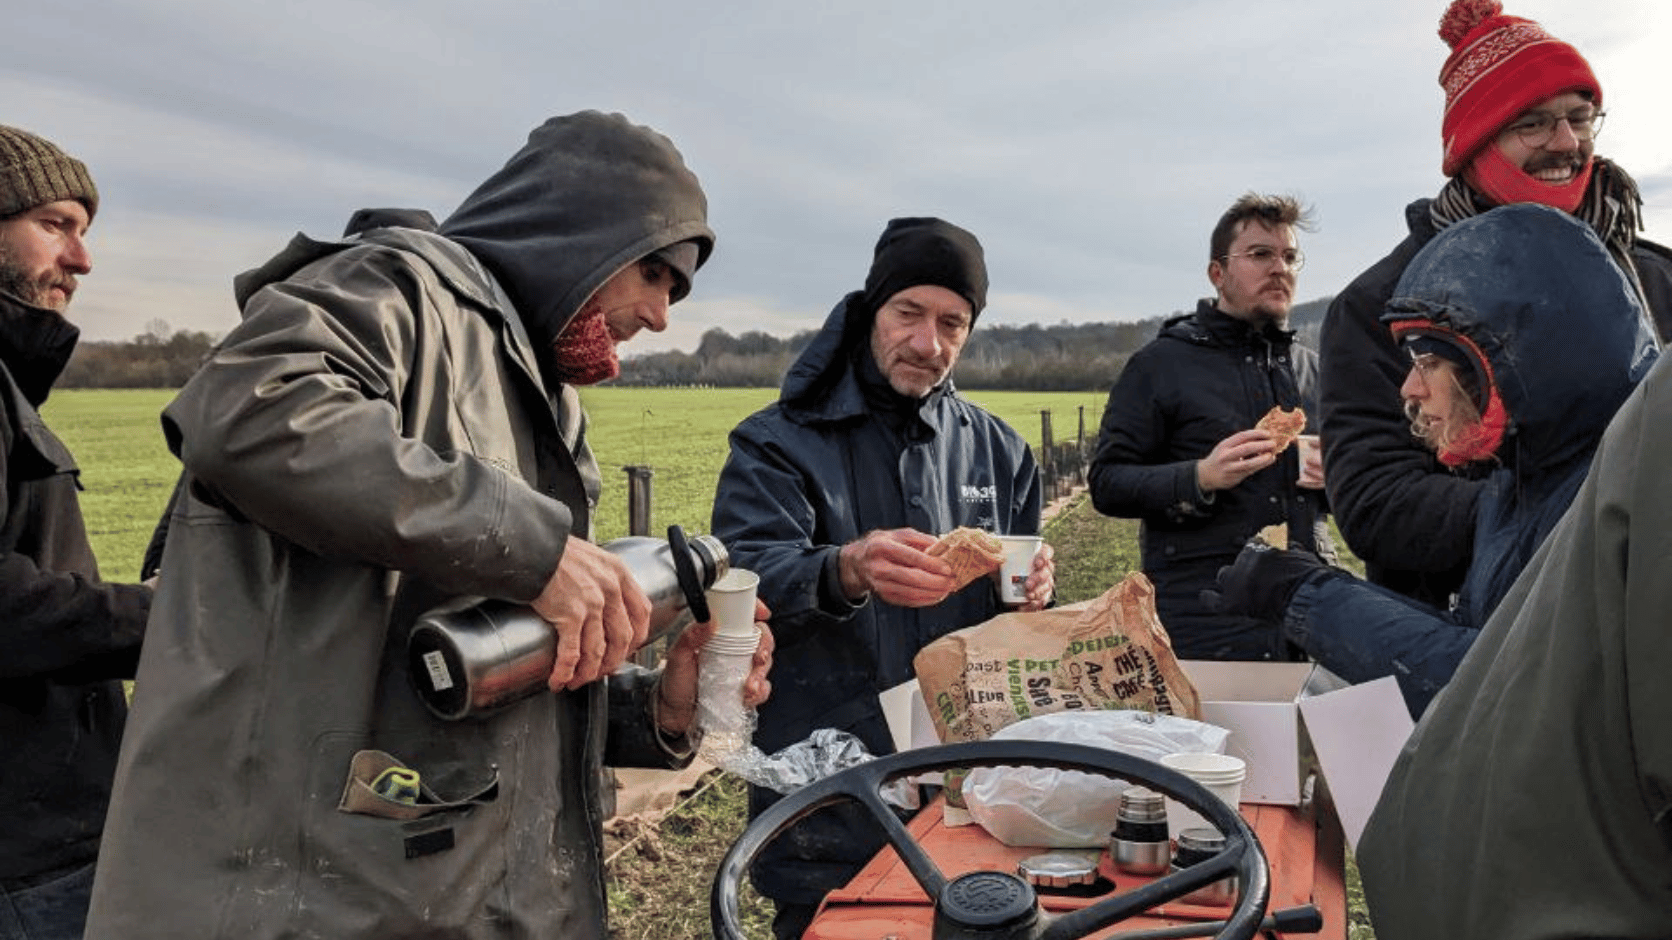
x,y
587,195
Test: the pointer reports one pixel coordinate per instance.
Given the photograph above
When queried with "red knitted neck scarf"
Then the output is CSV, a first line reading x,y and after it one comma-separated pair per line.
x,y
584,353
1506,184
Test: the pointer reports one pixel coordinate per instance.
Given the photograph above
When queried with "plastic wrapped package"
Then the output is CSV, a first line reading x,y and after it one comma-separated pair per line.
x,y
1039,806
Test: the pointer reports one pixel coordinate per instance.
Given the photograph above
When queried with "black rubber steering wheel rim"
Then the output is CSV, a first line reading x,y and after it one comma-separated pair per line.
x,y
862,784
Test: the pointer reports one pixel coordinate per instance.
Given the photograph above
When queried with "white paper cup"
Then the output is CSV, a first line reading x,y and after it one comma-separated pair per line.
x,y
731,602
1019,551
1221,774
1306,447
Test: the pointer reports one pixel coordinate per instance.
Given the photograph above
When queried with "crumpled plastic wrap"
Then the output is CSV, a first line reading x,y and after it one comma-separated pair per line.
x,y
728,729
825,752
1039,806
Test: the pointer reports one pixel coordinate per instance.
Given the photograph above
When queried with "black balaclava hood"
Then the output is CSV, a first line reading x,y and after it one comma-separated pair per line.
x,y
589,194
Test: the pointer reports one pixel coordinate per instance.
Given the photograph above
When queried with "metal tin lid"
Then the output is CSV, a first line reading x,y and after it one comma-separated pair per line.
x,y
1141,804
1204,839
1058,869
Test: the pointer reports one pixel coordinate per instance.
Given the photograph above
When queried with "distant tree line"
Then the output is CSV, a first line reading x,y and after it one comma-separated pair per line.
x,y
156,358
1066,357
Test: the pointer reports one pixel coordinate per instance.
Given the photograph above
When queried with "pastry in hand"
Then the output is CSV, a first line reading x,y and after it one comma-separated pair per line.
x,y
971,553
1284,426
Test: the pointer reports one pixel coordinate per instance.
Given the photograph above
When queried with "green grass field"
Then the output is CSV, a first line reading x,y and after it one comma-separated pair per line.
x,y
681,434
127,471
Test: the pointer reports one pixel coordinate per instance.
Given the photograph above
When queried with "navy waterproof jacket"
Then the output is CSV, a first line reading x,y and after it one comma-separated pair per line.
x,y
1566,341
816,470
1390,497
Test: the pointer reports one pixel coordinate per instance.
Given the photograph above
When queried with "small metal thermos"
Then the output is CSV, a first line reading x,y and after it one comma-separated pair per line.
x,y
474,660
1197,845
1140,842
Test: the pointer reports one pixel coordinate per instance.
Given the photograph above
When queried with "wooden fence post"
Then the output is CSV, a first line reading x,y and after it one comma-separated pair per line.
x,y
638,499
1048,456
638,523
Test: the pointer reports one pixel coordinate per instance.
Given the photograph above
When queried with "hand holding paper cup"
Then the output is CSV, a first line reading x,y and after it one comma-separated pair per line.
x,y
725,663
1019,552
1310,451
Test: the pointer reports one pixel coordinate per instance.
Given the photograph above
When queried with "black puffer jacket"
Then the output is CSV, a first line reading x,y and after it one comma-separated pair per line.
x,y
1205,377
67,637
1390,496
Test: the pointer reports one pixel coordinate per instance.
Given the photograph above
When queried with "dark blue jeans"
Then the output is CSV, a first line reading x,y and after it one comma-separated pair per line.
x,y
1362,631
52,909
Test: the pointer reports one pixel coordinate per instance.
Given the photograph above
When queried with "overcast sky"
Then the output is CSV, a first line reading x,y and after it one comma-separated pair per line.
x,y
1090,145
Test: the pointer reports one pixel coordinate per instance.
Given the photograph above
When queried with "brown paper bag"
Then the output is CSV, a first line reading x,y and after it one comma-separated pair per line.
x,y
1111,652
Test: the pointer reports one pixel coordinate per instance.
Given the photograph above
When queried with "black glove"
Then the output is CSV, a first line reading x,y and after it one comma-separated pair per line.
x,y
1262,581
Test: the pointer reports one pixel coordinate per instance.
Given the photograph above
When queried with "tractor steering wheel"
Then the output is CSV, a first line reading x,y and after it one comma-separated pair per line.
x,y
1018,916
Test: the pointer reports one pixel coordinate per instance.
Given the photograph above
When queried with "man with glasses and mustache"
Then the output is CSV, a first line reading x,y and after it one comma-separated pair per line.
x,y
1179,448
1523,111
69,638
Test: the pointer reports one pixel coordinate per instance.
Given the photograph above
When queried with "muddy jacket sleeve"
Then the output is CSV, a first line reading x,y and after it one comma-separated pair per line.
x,y
311,390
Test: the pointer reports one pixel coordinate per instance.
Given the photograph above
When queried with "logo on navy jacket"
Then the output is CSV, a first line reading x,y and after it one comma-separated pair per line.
x,y
981,500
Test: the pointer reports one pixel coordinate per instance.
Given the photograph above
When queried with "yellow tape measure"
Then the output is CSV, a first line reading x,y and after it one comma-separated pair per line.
x,y
399,784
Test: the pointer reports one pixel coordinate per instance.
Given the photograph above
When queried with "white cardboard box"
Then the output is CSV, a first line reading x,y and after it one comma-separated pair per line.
x,y
1353,733
1261,704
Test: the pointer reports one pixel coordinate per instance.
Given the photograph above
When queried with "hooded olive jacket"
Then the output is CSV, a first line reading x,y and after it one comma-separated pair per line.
x,y
374,439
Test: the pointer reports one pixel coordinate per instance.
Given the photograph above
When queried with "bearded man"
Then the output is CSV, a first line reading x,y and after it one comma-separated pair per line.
x,y
1523,111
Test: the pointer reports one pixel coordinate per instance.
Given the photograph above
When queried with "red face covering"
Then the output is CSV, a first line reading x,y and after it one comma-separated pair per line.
x,y
1506,184
584,353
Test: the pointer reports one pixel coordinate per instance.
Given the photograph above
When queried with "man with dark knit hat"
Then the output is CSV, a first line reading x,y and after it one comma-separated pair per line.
x,y
1179,447
833,493
394,427
1522,114
68,638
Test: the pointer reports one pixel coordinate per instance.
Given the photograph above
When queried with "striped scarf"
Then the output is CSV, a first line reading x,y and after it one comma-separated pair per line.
x,y
1612,207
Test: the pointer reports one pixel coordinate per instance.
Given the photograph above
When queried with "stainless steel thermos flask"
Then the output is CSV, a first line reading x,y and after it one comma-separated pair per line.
x,y
473,660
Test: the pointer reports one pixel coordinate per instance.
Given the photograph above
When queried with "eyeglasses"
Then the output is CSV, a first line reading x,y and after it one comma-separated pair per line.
x,y
1426,363
1265,254
1536,128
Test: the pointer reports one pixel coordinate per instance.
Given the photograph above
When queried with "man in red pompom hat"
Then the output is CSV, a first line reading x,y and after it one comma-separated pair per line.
x,y
1522,114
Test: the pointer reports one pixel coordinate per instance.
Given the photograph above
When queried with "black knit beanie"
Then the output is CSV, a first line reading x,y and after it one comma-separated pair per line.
x,y
927,251
33,173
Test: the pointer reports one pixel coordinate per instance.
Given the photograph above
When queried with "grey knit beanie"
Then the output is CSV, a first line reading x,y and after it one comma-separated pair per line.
x,y
33,173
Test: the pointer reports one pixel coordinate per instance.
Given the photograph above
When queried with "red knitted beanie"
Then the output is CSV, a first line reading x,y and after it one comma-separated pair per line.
x,y
1499,67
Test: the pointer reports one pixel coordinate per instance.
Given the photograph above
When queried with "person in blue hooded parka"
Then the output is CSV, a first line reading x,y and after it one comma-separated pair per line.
x,y
1525,338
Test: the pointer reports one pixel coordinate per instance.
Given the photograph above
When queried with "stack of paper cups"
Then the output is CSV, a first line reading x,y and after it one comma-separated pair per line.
x,y
725,663
1221,774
